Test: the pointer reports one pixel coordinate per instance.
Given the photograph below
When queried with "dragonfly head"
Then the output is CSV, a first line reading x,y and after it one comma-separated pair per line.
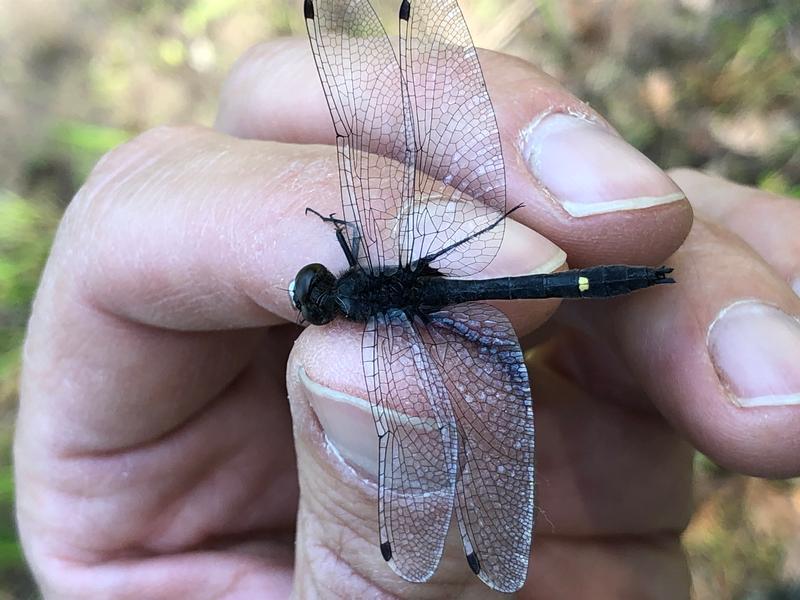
x,y
311,292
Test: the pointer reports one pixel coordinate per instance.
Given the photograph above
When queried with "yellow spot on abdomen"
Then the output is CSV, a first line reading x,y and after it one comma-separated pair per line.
x,y
583,284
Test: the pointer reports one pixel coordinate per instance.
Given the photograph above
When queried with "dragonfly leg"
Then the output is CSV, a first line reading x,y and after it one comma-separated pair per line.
x,y
329,219
341,225
427,260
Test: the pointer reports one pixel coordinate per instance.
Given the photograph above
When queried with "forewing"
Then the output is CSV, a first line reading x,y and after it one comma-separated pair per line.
x,y
476,348
360,75
460,184
418,446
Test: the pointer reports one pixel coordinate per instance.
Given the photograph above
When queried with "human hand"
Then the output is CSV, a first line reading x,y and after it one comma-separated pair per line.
x,y
154,451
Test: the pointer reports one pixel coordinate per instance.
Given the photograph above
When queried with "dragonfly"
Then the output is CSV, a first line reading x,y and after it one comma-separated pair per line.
x,y
423,192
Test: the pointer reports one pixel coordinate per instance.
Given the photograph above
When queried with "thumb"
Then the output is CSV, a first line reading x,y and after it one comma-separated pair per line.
x,y
337,547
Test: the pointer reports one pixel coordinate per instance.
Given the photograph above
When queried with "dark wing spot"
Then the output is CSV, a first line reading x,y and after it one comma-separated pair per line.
x,y
474,563
386,551
405,10
308,8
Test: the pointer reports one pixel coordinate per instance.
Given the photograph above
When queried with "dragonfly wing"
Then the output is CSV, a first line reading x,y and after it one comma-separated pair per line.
x,y
476,348
460,182
418,446
360,75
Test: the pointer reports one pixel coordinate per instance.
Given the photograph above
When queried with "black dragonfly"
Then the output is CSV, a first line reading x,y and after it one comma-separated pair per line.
x,y
424,201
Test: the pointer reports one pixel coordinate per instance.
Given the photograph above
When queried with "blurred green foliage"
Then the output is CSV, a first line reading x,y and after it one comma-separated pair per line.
x,y
26,230
10,553
704,83
84,143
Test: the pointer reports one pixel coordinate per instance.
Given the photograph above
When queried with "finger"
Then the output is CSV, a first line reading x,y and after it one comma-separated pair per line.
x,y
337,453
717,353
583,186
604,470
230,217
205,511
158,274
767,222
589,453
179,245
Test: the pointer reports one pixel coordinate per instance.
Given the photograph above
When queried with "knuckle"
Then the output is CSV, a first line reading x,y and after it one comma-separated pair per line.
x,y
259,55
264,58
112,190
142,156
130,155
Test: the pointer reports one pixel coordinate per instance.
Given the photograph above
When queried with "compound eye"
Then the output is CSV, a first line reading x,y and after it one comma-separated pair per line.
x,y
292,297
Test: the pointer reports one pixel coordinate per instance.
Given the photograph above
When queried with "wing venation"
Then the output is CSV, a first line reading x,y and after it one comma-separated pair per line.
x,y
361,79
487,383
459,178
417,446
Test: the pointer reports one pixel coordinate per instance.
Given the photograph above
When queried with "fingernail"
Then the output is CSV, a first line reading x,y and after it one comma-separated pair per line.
x,y
590,170
347,422
756,351
796,286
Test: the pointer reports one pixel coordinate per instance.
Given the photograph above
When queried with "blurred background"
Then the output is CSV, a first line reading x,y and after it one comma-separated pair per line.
x,y
713,84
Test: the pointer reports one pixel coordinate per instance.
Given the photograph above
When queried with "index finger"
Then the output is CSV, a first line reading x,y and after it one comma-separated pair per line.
x,y
584,187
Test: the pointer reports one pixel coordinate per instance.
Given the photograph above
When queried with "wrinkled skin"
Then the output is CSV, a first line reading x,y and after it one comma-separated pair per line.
x,y
157,455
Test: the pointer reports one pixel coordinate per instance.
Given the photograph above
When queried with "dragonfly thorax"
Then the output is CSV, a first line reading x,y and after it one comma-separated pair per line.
x,y
356,294
361,294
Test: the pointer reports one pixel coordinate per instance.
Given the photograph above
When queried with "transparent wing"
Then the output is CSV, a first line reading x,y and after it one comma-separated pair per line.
x,y
478,352
418,446
360,75
459,181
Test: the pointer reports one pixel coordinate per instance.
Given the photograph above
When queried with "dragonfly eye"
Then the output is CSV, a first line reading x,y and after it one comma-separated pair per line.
x,y
311,293
292,297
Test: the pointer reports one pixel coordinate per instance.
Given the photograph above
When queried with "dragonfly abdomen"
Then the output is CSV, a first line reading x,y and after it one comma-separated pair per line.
x,y
592,282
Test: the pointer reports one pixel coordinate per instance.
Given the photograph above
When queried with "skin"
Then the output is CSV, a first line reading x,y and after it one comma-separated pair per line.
x,y
157,456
